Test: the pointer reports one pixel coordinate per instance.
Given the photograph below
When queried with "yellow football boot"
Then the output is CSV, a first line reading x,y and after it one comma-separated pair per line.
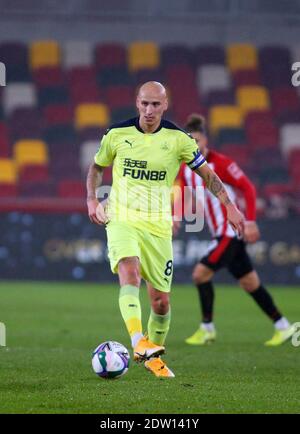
x,y
145,349
158,368
202,337
281,336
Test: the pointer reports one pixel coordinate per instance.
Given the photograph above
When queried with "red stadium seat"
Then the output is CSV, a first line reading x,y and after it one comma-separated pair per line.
x,y
110,54
34,173
246,77
58,114
72,188
48,77
119,96
285,99
8,190
4,141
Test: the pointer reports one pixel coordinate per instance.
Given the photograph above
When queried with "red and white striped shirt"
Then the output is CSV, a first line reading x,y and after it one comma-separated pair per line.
x,y
232,177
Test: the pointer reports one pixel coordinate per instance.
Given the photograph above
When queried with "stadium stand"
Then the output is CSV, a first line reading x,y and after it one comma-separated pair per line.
x,y
60,98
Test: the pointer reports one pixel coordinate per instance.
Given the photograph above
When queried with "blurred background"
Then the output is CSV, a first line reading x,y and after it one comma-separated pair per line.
x,y
72,69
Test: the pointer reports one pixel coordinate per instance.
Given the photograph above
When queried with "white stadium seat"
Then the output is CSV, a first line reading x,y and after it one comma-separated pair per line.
x,y
77,53
289,138
213,77
16,95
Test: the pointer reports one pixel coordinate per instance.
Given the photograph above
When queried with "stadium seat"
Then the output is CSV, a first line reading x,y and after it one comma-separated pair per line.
x,y
240,154
71,188
288,117
241,56
48,77
90,134
87,115
119,96
143,55
285,100
176,54
15,57
30,152
143,75
294,164
44,54
252,98
77,53
87,93
212,78
246,77
275,66
16,95
230,135
8,171
116,75
262,132
220,97
33,173
38,190
60,133
225,117
87,153
56,114
8,190
121,113
110,55
4,141
25,123
289,138
53,95
209,55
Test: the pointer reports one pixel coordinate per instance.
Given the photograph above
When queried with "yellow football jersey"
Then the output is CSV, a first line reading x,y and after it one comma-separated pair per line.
x,y
144,169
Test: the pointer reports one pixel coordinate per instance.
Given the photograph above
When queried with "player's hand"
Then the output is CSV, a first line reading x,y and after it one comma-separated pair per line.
x,y
236,219
251,232
176,227
96,212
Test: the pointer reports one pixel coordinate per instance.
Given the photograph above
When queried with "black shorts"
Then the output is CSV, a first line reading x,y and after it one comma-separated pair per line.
x,y
230,253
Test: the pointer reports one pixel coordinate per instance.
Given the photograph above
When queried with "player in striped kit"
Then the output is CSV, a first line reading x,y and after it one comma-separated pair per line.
x,y
227,250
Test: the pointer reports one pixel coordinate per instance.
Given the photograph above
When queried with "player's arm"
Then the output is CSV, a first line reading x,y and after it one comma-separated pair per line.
x,y
216,187
234,176
103,158
93,181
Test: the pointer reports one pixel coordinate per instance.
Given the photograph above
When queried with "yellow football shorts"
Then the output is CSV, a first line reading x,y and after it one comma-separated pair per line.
x,y
155,253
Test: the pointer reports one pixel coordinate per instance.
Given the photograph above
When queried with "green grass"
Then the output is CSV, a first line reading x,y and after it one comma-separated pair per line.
x,y
52,329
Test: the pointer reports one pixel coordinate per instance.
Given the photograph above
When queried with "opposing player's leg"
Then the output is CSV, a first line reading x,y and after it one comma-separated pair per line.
x,y
248,279
205,333
124,254
218,256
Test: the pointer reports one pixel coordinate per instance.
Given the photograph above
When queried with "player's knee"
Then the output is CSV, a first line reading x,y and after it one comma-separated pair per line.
x,y
250,282
129,272
161,304
201,274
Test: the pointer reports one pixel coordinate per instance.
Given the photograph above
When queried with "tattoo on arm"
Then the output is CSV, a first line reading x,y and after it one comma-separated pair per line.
x,y
93,181
215,185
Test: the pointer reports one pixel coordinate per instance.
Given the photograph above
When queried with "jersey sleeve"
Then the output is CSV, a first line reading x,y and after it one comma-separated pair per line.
x,y
189,152
106,154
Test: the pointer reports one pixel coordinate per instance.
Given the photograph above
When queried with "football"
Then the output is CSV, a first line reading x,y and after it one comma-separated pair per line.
x,y
110,360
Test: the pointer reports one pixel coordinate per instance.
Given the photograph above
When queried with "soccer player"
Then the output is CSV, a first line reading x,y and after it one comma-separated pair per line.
x,y
146,153
227,249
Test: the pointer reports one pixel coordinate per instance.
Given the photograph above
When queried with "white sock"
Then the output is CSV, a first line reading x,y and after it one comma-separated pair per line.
x,y
135,338
281,324
208,326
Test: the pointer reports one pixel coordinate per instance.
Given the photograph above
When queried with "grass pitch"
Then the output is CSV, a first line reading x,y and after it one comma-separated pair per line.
x,y
53,328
